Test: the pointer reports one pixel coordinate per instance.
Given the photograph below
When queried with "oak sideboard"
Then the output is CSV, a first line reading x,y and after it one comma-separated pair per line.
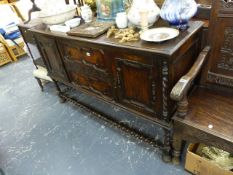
x,y
137,76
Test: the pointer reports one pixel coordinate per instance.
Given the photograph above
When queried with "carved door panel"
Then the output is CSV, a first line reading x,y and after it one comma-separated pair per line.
x,y
51,57
136,84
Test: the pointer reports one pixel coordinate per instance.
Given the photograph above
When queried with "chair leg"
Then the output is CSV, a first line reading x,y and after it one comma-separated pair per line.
x,y
40,84
177,146
11,53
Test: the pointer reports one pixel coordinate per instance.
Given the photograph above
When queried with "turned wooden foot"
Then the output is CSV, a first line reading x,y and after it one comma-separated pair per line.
x,y
176,152
59,92
166,157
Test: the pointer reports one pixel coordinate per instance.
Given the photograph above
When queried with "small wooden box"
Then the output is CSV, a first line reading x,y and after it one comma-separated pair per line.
x,y
201,166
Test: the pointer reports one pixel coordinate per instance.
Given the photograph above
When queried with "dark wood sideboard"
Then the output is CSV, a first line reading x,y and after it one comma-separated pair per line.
x,y
137,76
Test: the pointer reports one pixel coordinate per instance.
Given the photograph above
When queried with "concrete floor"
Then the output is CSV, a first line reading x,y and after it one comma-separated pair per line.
x,y
40,136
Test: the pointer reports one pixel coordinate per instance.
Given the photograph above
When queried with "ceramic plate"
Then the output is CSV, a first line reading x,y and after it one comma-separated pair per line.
x,y
159,34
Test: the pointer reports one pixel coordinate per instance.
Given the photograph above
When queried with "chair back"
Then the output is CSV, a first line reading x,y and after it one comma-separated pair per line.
x,y
219,70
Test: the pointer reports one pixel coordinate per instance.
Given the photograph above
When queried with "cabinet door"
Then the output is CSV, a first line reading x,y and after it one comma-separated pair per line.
x,y
136,84
50,54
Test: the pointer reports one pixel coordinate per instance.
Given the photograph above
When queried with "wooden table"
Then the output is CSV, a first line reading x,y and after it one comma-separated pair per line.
x,y
137,76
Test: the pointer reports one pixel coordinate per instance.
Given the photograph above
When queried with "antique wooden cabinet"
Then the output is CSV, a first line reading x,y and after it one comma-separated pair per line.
x,y
137,76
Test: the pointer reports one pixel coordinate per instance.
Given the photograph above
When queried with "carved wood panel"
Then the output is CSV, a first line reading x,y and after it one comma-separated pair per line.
x,y
220,79
226,4
136,83
225,9
221,40
221,62
226,51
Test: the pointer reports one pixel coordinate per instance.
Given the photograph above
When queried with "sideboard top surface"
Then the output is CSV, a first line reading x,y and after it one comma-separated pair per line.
x,y
167,48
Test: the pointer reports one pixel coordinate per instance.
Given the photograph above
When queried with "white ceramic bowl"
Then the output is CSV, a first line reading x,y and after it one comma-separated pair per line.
x,y
59,15
73,22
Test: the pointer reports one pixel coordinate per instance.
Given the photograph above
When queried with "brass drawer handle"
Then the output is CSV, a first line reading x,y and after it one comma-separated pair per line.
x,y
88,54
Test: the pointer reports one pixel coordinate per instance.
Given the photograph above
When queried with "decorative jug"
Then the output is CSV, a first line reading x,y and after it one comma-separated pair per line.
x,y
107,9
178,12
138,6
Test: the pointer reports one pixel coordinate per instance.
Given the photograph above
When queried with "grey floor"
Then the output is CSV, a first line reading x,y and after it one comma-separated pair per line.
x,y
40,136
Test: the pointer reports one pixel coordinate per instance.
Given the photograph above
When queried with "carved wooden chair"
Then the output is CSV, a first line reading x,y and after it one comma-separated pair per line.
x,y
205,113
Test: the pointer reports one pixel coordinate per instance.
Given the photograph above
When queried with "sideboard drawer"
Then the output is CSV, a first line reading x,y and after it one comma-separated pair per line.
x,y
94,85
73,53
92,57
86,70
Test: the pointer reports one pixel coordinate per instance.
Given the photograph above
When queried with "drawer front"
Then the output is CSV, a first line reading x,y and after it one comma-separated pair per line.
x,y
88,71
91,84
88,68
94,57
79,53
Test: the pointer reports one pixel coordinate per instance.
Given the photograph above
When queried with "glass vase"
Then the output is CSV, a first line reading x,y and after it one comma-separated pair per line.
x,y
178,12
